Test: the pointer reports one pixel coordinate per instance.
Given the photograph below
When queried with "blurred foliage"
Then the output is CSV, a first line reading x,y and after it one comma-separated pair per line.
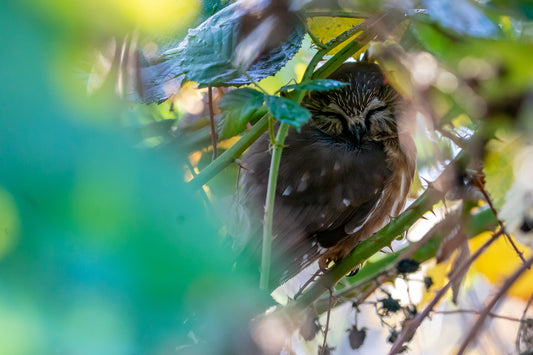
x,y
103,249
500,261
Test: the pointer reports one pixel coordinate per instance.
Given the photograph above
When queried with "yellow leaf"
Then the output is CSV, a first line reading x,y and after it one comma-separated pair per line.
x,y
327,28
500,260
439,276
498,167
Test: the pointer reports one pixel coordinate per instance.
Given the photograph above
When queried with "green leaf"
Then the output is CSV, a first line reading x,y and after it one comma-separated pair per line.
x,y
288,111
238,107
316,85
207,56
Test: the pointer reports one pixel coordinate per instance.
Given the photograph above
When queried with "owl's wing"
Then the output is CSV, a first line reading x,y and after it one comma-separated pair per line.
x,y
322,188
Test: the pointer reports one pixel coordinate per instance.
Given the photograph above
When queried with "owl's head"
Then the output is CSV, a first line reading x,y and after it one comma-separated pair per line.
x,y
363,110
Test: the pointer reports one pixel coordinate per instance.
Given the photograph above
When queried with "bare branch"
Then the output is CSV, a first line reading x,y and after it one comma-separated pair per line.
x,y
408,332
505,287
522,319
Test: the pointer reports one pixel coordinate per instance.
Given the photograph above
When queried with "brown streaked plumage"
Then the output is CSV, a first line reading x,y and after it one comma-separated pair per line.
x,y
341,178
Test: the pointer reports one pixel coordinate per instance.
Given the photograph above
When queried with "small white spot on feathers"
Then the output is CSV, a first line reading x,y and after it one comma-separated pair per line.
x,y
337,166
356,229
302,186
287,191
346,202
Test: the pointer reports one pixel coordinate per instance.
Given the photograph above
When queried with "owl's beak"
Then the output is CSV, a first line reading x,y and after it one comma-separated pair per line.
x,y
357,133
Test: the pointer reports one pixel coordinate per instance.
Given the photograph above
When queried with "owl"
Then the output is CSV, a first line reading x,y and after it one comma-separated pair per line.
x,y
341,178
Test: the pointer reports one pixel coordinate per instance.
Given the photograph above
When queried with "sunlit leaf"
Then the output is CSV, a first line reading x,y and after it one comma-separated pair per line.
x,y
327,28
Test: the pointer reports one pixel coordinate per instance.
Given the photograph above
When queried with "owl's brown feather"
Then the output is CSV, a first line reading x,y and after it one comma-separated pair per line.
x,y
340,179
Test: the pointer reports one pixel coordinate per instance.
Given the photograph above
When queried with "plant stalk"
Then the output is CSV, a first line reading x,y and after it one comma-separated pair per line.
x,y
269,205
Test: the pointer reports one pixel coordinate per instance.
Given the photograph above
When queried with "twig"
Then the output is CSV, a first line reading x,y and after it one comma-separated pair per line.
x,y
408,332
517,343
473,311
327,321
253,82
505,287
212,120
458,141
302,288
479,185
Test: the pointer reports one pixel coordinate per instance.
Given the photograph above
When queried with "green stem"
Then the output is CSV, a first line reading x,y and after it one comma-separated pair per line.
x,y
369,247
478,223
345,53
269,205
229,155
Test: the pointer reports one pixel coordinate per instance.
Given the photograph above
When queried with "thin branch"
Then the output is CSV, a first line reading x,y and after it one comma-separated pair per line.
x,y
304,286
212,121
253,82
408,332
327,321
522,319
479,185
505,287
473,311
458,141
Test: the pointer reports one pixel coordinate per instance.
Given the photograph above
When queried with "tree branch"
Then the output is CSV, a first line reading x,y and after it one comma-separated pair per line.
x,y
486,312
